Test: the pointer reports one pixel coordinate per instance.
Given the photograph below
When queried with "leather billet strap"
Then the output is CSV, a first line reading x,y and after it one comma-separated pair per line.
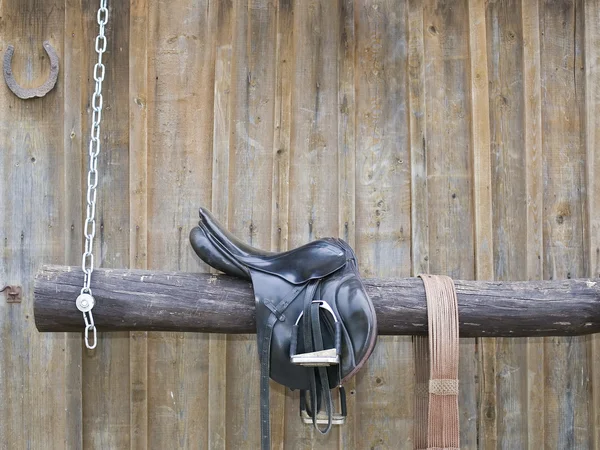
x,y
265,357
436,399
265,361
313,341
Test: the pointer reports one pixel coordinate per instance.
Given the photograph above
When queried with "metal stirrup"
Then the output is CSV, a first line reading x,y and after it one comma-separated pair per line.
x,y
327,357
336,418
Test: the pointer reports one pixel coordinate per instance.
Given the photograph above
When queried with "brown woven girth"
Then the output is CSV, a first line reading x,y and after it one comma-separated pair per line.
x,y
436,371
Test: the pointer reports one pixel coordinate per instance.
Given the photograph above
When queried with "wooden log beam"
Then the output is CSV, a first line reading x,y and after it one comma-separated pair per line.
x,y
175,301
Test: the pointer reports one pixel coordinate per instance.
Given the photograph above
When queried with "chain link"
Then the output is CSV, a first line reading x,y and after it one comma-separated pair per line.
x,y
89,228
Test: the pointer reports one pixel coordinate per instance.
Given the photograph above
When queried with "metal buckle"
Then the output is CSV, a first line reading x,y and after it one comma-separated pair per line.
x,y
321,358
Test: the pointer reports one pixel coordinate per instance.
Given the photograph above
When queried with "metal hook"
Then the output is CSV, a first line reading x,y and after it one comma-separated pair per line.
x,y
13,294
33,92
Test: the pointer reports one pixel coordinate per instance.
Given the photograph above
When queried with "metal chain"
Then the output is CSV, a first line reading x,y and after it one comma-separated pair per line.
x,y
85,302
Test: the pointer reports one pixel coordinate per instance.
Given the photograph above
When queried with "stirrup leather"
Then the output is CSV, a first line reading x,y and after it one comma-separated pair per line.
x,y
320,358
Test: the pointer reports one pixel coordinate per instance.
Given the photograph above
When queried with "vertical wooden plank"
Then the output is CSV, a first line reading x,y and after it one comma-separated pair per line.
x,y
222,26
180,120
73,71
383,197
509,200
314,163
418,139
418,189
561,29
250,199
14,178
282,129
347,121
281,151
533,137
40,378
346,48
592,158
38,401
217,395
592,136
449,171
138,379
480,131
138,220
313,202
383,210
482,194
282,117
106,409
534,398
221,36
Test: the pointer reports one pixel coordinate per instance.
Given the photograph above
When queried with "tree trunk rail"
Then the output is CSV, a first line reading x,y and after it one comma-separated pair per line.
x,y
137,300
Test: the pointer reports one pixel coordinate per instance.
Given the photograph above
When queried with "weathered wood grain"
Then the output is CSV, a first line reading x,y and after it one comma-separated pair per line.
x,y
282,129
418,189
347,175
106,406
384,389
282,124
483,217
250,197
221,22
138,211
314,161
449,155
592,141
35,375
542,122
218,303
532,129
418,139
562,64
74,152
180,124
501,407
347,121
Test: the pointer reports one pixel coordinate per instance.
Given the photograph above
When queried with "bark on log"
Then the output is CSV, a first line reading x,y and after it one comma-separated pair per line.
x,y
176,301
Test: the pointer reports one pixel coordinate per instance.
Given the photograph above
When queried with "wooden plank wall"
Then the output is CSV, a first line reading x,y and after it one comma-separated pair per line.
x,y
455,137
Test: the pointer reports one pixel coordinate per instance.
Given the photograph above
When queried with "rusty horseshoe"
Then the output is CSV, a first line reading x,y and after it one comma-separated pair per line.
x,y
33,92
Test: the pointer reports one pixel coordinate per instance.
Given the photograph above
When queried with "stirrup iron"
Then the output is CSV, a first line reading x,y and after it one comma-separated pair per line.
x,y
321,358
337,418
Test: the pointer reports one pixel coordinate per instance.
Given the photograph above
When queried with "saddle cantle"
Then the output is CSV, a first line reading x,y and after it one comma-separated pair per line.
x,y
316,326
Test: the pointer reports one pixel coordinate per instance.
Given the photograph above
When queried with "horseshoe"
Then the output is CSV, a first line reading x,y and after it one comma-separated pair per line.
x,y
33,92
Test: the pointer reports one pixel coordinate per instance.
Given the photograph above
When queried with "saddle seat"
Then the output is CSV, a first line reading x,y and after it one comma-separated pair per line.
x,y
311,261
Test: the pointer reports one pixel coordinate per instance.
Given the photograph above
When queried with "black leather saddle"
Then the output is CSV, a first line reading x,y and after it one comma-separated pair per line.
x,y
315,324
